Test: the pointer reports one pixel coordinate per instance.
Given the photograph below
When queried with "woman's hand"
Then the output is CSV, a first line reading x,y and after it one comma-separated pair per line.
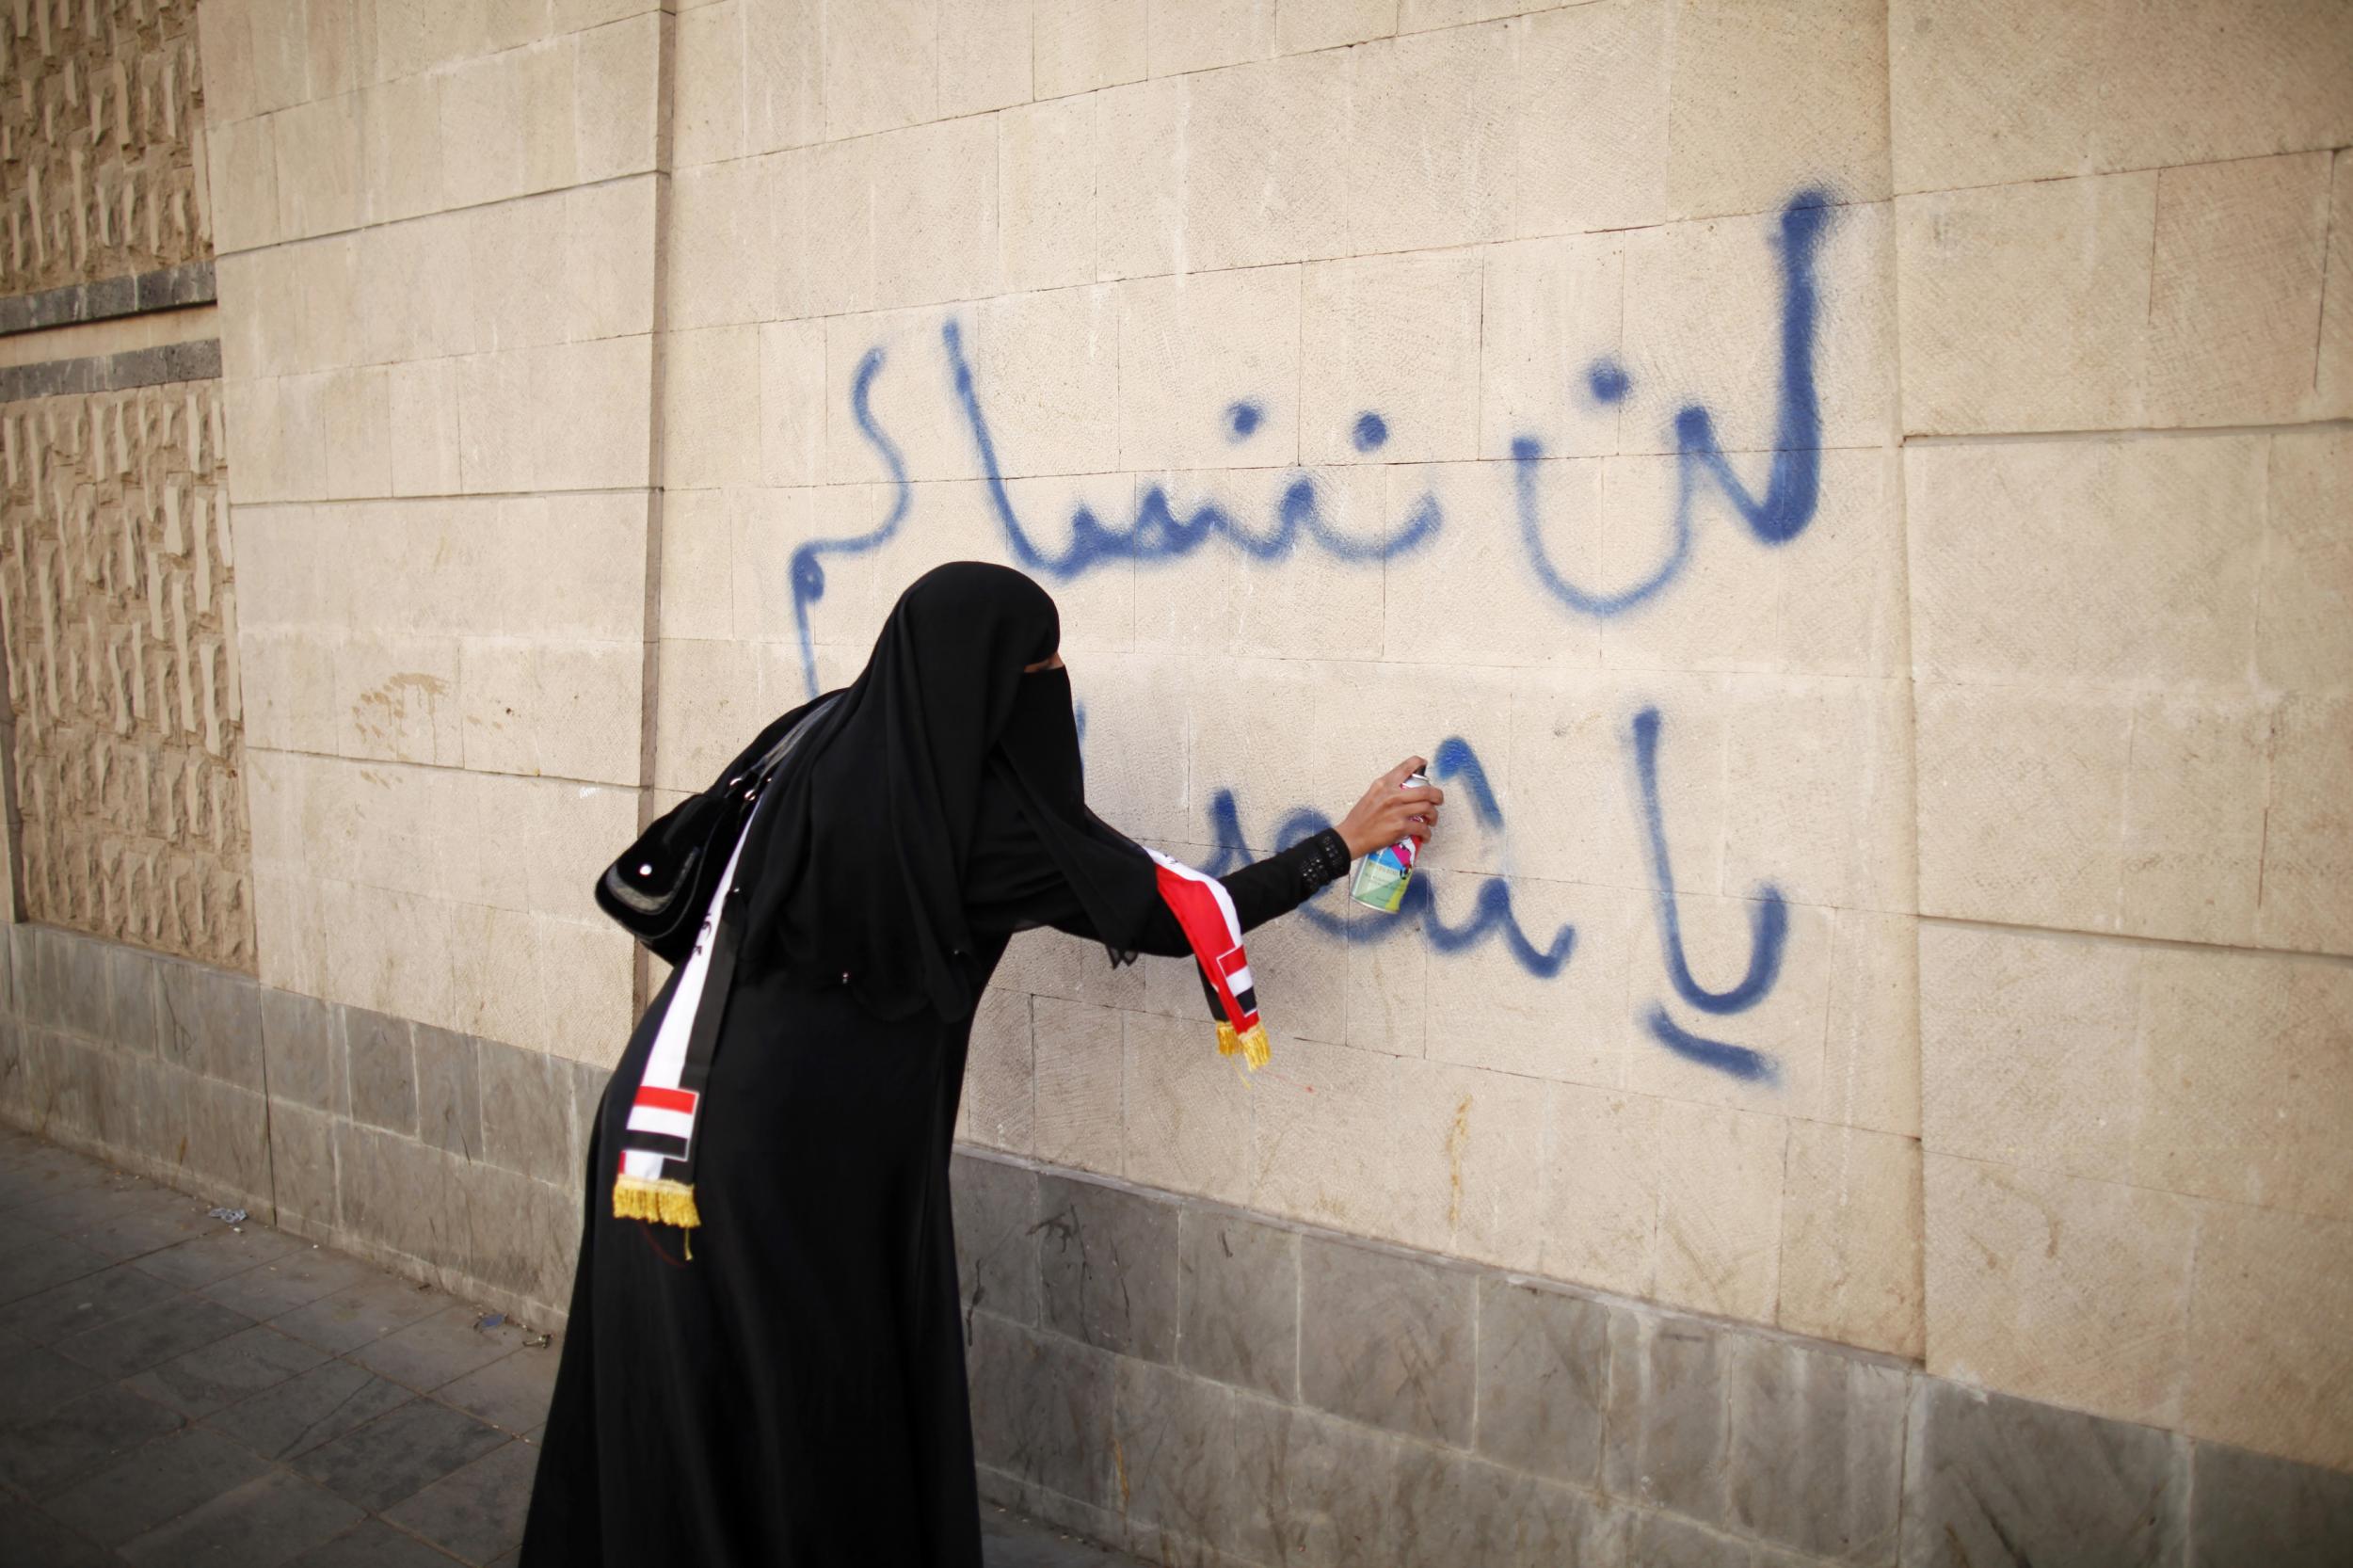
x,y
1388,812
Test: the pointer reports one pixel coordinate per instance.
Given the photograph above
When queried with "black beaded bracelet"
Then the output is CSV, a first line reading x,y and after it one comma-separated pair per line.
x,y
1327,858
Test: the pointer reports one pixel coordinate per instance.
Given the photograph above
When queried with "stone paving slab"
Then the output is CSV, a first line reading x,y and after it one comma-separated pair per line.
x,y
180,1391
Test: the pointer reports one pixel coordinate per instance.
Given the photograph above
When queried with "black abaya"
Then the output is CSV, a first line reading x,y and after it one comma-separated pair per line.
x,y
793,1396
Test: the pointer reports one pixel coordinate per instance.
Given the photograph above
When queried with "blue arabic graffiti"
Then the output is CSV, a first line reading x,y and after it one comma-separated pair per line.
x,y
808,561
1491,912
1160,531
1492,915
1793,487
1768,933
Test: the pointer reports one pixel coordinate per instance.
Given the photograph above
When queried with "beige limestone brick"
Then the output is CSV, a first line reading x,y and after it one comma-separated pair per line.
x,y
735,250
1871,1050
2234,304
1600,1189
508,124
1466,594
881,66
712,698
1787,1026
792,404
1259,608
1678,1202
1390,360
784,74
415,35
935,212
1767,99
1337,1143
2246,1079
1590,110
616,86
2028,1049
998,1110
423,434
495,422
355,426
225,39
2021,797
1079,1063
1580,1026
2304,620
711,406
2307,884
2272,1298
401,131
2193,821
1431,156
2113,563
243,171
839,242
2333,387
2059,1288
1261,143
2025,307
511,307
1585,823
1189,1110
1302,25
1045,187
907,395
1818,792
1851,1237
593,413
1418,16
1080,45
1703,325
707,121
2024,91
697,564
1046,368
1205,34
576,717
608,261
1143,144
1491,1128
984,54
396,699
1189,349
1548,308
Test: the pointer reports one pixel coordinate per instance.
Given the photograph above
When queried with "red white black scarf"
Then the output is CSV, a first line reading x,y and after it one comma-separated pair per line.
x,y
655,1178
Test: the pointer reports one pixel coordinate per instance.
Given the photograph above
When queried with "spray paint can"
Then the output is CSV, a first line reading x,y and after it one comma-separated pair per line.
x,y
1382,875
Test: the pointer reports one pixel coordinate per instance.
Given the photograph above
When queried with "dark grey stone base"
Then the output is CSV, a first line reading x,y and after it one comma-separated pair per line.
x,y
1190,1383
452,1159
1203,1385
167,288
198,360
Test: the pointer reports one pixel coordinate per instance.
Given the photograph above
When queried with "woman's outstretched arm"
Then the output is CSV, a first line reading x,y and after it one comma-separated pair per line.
x,y
1031,892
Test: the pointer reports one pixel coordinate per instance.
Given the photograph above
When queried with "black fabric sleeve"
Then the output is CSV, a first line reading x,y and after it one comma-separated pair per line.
x,y
1035,894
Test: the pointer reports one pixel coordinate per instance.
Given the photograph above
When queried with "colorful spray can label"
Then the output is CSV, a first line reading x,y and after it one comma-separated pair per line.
x,y
1382,875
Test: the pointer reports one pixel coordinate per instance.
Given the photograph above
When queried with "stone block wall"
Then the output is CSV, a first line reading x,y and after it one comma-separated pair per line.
x,y
453,1159
437,248
102,142
1204,1386
118,592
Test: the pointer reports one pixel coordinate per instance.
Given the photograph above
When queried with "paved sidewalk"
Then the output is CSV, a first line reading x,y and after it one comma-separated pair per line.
x,y
176,1391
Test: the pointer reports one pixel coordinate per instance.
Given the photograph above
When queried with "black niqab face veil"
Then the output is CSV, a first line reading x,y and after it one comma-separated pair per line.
x,y
857,861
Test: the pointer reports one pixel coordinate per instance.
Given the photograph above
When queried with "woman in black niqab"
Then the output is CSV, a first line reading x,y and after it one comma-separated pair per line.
x,y
784,1385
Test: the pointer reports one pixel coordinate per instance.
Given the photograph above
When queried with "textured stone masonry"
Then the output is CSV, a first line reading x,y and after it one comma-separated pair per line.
x,y
118,583
102,142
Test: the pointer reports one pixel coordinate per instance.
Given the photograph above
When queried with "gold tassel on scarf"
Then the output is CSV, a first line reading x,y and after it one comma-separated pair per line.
x,y
664,1203
1253,1045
